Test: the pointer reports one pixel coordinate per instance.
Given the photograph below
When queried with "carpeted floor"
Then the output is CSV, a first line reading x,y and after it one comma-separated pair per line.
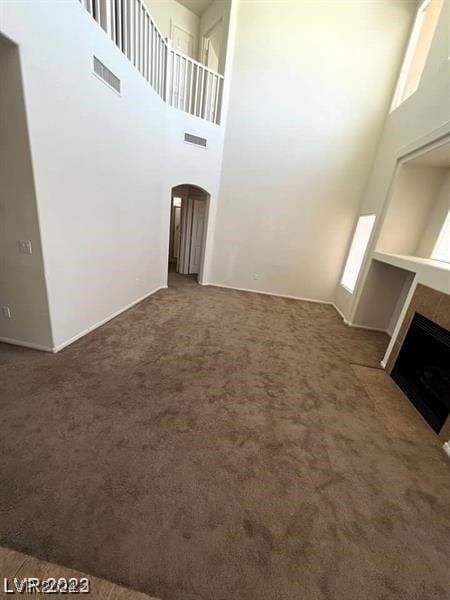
x,y
211,444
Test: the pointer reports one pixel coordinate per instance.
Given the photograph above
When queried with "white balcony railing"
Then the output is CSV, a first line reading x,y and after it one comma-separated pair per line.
x,y
180,80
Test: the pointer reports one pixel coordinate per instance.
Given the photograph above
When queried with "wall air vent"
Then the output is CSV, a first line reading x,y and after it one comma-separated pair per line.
x,y
107,75
195,139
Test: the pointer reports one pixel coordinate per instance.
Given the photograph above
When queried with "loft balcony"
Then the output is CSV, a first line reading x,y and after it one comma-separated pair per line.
x,y
181,81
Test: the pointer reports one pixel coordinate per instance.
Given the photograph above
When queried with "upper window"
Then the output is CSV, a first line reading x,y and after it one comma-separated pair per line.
x,y
417,51
442,248
357,250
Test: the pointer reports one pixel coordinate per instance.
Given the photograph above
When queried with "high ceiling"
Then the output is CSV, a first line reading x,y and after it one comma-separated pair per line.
x,y
197,6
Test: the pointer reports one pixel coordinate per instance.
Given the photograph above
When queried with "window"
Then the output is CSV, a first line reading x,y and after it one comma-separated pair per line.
x,y
357,250
442,248
417,51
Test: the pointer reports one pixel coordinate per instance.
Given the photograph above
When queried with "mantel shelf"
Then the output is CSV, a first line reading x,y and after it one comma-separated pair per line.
x,y
429,272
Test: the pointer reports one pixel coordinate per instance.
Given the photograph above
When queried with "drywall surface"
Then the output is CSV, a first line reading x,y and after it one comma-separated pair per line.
x,y
412,199
422,119
167,13
379,305
436,220
22,280
104,165
311,85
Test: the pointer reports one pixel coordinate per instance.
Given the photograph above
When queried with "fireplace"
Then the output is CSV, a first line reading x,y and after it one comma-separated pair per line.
x,y
422,369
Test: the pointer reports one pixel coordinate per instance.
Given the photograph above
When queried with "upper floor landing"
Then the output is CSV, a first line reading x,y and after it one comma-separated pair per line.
x,y
180,52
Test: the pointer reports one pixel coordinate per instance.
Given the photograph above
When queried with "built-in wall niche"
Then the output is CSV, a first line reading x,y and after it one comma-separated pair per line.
x,y
384,294
418,205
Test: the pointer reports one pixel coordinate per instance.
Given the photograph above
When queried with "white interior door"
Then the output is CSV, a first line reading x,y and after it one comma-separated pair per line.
x,y
212,46
182,40
176,231
198,226
185,237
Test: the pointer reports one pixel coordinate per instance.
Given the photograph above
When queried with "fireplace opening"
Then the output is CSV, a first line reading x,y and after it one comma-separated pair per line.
x,y
422,370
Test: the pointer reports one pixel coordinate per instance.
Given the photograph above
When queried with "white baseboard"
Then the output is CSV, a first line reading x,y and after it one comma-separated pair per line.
x,y
339,312
103,321
239,289
26,344
82,333
355,326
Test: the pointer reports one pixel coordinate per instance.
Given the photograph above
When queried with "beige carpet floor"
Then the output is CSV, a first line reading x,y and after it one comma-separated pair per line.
x,y
212,444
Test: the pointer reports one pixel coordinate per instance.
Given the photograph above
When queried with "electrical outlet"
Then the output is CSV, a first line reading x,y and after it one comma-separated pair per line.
x,y
25,247
6,312
255,275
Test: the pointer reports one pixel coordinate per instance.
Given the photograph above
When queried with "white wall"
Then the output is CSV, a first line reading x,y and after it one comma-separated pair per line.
x,y
436,219
380,305
167,12
104,165
22,279
420,120
310,88
413,196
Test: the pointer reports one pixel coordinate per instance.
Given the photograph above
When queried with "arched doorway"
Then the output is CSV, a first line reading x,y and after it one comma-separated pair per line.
x,y
187,231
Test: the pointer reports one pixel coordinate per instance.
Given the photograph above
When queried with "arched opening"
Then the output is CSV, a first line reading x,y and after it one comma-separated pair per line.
x,y
187,233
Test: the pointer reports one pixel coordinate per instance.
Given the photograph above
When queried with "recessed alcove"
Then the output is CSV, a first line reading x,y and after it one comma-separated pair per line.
x,y
385,291
417,209
418,205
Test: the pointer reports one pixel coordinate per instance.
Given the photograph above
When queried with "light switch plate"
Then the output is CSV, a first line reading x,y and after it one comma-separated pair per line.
x,y
25,247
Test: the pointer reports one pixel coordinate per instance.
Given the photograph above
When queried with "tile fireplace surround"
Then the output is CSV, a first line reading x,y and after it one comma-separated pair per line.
x,y
435,306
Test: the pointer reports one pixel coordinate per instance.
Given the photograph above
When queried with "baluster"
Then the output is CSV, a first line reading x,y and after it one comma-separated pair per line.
x,y
191,77
113,19
157,67
143,39
130,4
120,24
167,74
135,33
161,71
208,96
195,89
164,61
152,53
202,99
216,103
125,31
186,85
174,64
146,48
138,36
179,80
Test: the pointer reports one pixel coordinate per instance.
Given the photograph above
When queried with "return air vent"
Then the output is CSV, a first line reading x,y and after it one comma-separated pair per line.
x,y
106,75
195,139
